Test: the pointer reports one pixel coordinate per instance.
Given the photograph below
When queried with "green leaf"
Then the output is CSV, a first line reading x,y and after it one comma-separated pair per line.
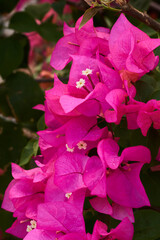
x,y
29,151
156,95
12,54
156,75
137,138
7,6
38,11
157,53
23,22
151,183
121,131
6,220
149,31
89,2
49,31
4,107
147,225
140,4
153,141
59,6
23,41
89,13
12,142
23,94
41,123
144,90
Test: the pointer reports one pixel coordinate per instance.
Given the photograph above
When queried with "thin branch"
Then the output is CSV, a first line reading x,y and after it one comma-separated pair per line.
x,y
141,16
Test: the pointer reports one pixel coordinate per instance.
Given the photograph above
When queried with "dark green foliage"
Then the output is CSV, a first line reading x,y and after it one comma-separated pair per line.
x,y
58,6
141,5
38,10
89,13
49,31
7,6
29,151
12,142
11,55
151,182
23,22
23,94
147,225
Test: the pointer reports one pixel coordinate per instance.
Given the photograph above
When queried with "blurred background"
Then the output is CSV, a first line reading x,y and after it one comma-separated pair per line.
x,y
29,30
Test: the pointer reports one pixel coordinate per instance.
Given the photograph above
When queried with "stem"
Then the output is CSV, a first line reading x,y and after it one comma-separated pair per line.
x,y
111,129
141,16
110,8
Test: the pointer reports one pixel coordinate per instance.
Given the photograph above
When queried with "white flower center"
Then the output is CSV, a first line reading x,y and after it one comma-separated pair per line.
x,y
80,83
29,228
68,195
82,145
32,226
33,223
86,72
69,149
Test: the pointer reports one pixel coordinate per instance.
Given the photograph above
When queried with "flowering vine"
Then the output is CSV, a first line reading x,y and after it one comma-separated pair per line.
x,y
80,157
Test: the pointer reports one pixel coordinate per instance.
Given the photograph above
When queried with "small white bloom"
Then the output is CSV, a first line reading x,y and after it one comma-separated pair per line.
x,y
69,149
82,145
80,83
29,228
33,223
68,195
86,72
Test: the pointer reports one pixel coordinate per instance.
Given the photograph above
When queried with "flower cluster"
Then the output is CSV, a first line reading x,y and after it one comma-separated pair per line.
x,y
81,158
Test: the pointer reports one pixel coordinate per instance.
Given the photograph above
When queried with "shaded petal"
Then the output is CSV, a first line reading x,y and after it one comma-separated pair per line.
x,y
125,188
101,205
68,171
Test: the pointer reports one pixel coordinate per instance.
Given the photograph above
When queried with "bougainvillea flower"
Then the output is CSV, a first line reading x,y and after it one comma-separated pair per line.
x,y
40,234
101,205
118,100
69,170
55,194
120,212
113,173
91,105
73,236
74,38
124,231
115,99
126,181
18,228
148,114
60,216
93,71
131,49
23,196
94,177
64,48
115,210
94,47
108,151
69,45
78,131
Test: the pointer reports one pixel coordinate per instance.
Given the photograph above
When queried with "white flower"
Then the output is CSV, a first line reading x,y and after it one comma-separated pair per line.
x,y
82,145
86,72
80,83
69,149
68,195
33,223
29,228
